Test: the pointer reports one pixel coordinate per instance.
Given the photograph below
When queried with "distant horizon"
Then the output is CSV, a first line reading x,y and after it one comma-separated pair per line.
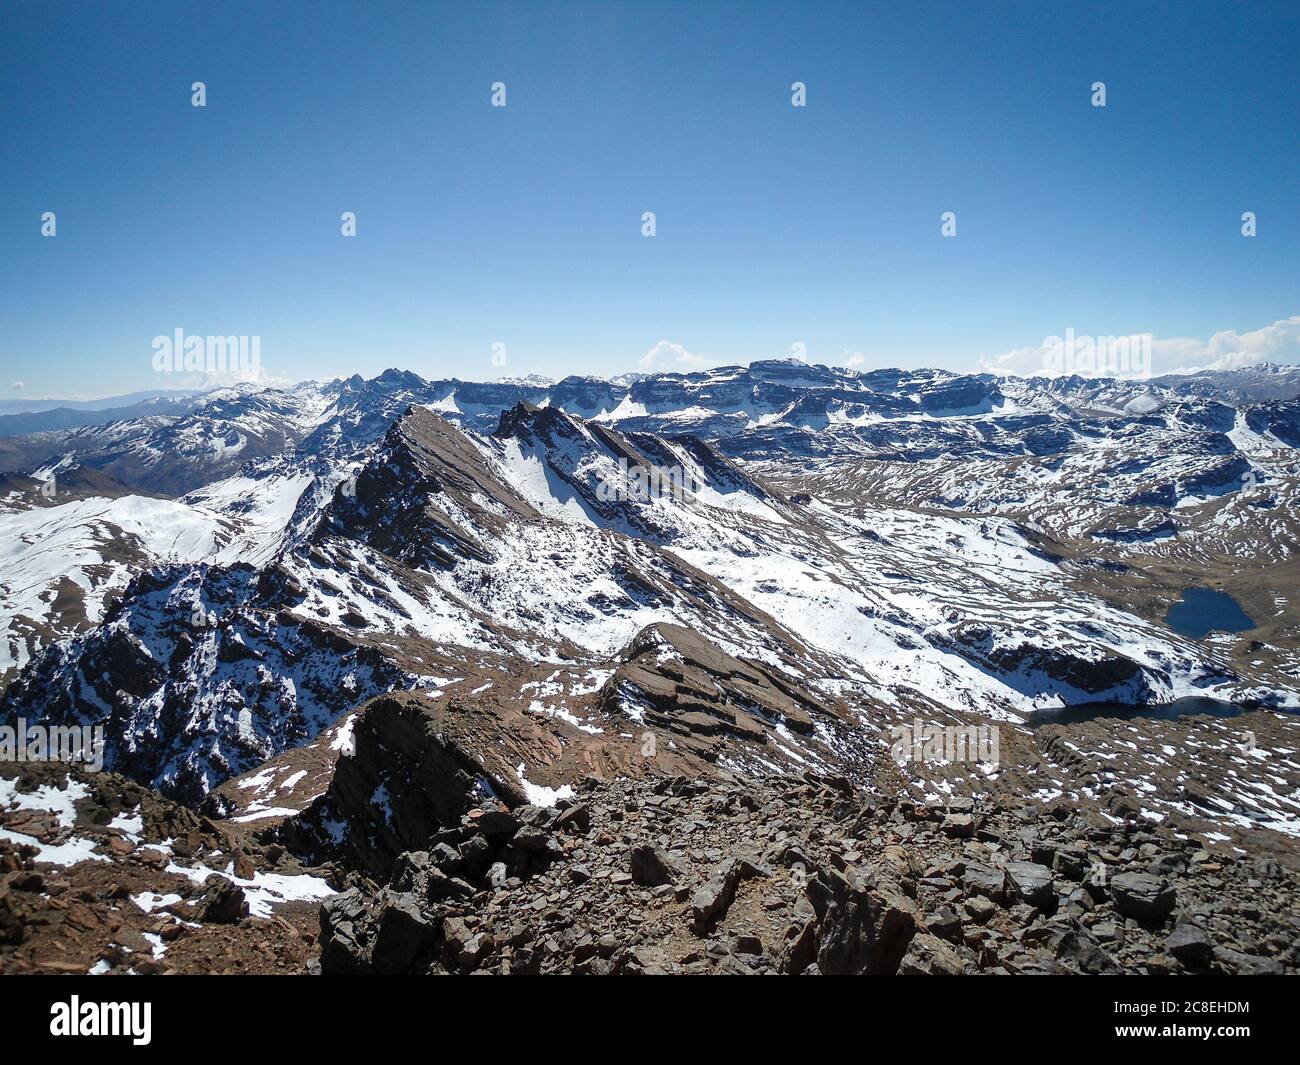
x,y
141,395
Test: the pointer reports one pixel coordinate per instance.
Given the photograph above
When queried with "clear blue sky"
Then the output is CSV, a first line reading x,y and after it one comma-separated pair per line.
x,y
522,225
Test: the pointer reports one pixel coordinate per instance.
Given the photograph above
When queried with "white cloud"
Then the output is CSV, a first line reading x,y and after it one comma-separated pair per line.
x,y
1225,350
18,386
203,381
855,360
667,357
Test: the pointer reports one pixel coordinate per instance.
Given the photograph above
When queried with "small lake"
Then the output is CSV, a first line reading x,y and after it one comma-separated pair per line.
x,y
1072,715
1203,611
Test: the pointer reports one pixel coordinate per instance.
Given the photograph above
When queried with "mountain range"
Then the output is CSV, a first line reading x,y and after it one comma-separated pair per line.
x,y
343,614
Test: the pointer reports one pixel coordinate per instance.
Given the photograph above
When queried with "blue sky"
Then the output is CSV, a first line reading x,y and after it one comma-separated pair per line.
x,y
521,225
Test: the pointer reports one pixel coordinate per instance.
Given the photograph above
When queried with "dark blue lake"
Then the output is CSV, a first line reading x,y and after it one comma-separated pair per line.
x,y
1071,715
1203,611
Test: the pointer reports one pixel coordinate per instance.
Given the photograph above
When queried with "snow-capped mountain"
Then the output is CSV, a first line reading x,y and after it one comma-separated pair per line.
x,y
832,551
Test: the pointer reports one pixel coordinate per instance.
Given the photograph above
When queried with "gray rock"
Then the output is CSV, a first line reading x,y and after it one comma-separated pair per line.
x,y
498,823
403,933
1071,864
462,946
713,897
447,858
576,818
958,826
223,903
652,866
1032,883
799,949
533,839
1243,964
944,923
1191,945
439,887
1142,896
477,853
981,879
928,955
344,946
1105,931
860,931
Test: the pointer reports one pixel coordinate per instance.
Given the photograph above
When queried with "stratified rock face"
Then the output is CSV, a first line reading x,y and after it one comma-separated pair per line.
x,y
1063,672
400,503
408,764
685,680
806,876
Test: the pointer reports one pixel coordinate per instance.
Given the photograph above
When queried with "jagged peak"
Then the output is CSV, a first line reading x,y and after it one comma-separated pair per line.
x,y
525,417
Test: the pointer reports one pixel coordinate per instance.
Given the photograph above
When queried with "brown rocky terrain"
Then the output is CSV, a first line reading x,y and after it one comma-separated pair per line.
x,y
805,876
442,864
99,874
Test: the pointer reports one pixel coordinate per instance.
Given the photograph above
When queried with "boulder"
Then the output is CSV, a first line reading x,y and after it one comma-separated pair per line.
x,y
928,955
958,826
1191,945
986,880
712,898
1032,883
1142,896
344,935
223,903
652,866
860,930
403,934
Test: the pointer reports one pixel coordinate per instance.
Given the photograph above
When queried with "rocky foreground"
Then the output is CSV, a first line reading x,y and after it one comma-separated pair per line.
x,y
101,875
804,876
796,875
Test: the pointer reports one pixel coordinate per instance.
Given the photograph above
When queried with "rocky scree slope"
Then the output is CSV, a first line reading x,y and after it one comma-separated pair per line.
x,y
806,876
101,875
